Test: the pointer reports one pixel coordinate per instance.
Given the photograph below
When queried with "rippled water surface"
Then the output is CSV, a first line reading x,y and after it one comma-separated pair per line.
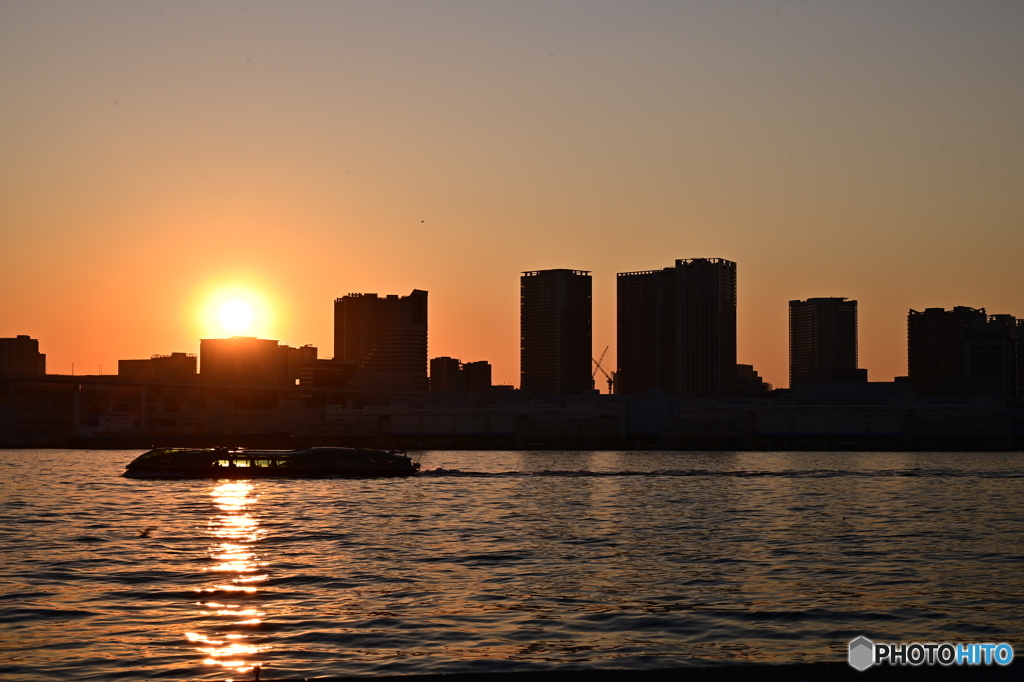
x,y
503,561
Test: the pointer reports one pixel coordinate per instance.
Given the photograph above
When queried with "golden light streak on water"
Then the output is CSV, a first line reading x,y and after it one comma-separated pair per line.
x,y
235,530
253,578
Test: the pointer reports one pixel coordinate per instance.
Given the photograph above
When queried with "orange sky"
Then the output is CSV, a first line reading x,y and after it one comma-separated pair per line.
x,y
152,156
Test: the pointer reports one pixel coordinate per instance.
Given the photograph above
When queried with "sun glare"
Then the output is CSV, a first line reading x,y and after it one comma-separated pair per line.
x,y
235,316
235,311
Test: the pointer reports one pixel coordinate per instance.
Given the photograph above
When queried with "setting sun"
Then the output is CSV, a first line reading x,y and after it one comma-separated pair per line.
x,y
235,316
235,310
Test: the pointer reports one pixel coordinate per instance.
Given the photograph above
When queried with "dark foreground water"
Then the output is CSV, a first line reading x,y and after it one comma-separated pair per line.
x,y
518,561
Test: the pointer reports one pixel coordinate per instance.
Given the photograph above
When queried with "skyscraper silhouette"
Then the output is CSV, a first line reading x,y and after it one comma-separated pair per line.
x,y
450,374
445,374
677,329
823,341
386,338
963,352
476,376
935,349
646,331
555,331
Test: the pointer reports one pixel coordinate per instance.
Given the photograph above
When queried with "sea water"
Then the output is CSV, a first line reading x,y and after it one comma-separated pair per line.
x,y
500,561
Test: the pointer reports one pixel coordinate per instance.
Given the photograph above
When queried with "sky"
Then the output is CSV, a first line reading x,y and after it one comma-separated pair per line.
x,y
158,159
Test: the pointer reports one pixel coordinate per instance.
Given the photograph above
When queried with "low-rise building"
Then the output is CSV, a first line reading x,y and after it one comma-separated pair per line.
x,y
20,355
176,367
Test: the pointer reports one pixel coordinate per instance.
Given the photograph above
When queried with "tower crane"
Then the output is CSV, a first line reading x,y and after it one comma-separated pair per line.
x,y
597,366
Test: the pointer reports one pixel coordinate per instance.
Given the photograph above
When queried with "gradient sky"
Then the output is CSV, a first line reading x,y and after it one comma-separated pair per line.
x,y
155,155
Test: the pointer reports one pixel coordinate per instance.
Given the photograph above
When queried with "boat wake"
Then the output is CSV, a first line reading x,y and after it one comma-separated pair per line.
x,y
441,472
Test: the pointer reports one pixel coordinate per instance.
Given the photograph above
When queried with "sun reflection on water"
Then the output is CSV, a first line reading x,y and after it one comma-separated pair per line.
x,y
237,571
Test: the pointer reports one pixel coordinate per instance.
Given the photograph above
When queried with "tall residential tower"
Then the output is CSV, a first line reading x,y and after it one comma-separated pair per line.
x,y
555,331
386,338
823,341
677,329
963,352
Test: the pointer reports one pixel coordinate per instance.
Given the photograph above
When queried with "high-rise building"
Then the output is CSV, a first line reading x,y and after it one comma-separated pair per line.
x,y
176,367
935,349
296,359
1020,357
476,376
935,340
992,357
555,348
449,374
20,355
677,329
445,374
963,352
706,327
749,383
646,331
823,341
386,338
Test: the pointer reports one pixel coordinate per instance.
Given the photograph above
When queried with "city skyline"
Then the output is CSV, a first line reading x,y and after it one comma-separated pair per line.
x,y
558,338
156,157
227,327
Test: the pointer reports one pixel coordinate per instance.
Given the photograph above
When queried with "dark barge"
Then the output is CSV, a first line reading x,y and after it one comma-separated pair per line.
x,y
175,463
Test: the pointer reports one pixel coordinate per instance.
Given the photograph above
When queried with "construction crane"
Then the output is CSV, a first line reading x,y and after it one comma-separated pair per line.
x,y
597,366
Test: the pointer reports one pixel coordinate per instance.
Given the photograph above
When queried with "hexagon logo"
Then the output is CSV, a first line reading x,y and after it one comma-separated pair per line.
x,y
862,653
